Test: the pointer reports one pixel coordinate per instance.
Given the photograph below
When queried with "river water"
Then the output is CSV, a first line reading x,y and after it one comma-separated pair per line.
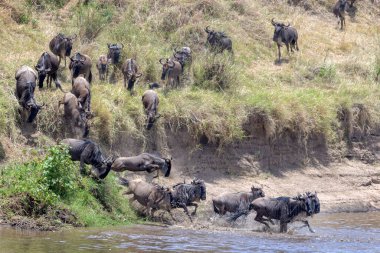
x,y
341,232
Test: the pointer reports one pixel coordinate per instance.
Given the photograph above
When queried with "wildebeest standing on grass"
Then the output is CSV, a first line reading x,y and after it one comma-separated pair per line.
x,y
234,202
102,66
48,65
80,64
81,89
184,195
218,41
114,53
26,79
151,196
285,34
74,115
171,70
150,102
339,11
88,152
143,162
61,46
130,72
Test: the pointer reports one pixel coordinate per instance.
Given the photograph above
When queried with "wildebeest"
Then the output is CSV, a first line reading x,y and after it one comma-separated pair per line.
x,y
151,196
80,64
61,46
184,195
88,152
81,89
48,65
143,162
218,41
153,86
339,12
285,34
171,70
25,85
284,209
114,52
150,102
102,66
74,115
130,72
183,56
234,202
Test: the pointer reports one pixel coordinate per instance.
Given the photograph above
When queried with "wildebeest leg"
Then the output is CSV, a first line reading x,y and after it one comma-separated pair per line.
x,y
259,218
279,52
283,226
125,81
287,48
171,215
186,210
306,223
195,210
268,219
177,85
150,167
85,154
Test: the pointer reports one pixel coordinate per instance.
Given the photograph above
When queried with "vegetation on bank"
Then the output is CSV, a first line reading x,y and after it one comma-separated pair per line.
x,y
51,191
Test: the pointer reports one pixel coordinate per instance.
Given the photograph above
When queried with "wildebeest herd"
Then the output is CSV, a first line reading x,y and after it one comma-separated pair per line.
x,y
77,113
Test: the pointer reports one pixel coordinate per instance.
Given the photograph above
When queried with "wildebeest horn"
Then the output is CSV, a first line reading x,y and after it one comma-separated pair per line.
x,y
38,68
138,75
40,106
161,61
288,25
121,45
273,23
108,45
158,116
207,30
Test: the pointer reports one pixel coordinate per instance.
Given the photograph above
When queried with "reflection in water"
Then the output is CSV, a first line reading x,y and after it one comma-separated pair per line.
x,y
344,232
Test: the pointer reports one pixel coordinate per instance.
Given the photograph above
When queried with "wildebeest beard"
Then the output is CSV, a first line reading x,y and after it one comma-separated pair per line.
x,y
76,69
68,48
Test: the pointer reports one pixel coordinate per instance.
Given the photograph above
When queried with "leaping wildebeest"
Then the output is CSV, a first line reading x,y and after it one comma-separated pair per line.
x,y
74,115
151,196
143,162
88,152
218,41
171,70
131,74
80,64
48,65
234,202
102,66
184,195
150,102
26,79
61,46
285,34
81,89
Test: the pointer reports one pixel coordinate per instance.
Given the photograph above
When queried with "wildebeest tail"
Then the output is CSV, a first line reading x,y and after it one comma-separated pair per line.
x,y
123,181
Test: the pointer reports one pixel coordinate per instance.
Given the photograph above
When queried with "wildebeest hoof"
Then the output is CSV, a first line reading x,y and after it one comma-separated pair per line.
x,y
193,213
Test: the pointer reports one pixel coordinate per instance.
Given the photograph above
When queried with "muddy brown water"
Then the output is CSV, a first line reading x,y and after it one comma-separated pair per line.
x,y
340,232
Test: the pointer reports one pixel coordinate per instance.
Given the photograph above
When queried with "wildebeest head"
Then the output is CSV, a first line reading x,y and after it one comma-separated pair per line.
x,y
278,28
153,86
132,77
308,203
257,192
183,55
114,51
77,62
66,42
166,65
201,184
315,202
